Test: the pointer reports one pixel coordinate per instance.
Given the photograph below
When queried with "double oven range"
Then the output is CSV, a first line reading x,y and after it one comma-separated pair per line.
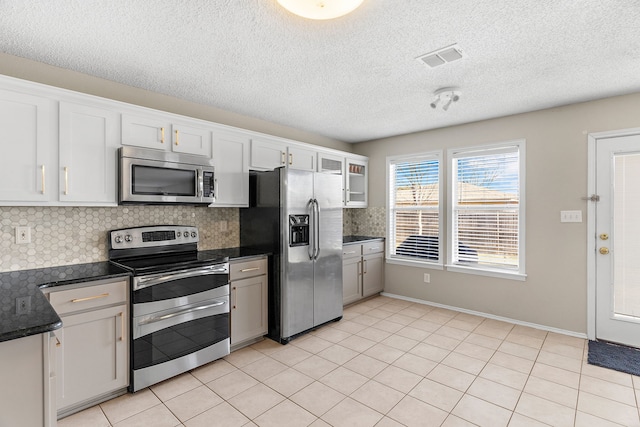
x,y
179,301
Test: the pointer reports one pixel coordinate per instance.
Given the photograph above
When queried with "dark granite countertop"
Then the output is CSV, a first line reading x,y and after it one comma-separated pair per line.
x,y
38,315
358,239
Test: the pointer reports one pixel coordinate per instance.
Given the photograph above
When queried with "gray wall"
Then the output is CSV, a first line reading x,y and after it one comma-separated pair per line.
x,y
554,293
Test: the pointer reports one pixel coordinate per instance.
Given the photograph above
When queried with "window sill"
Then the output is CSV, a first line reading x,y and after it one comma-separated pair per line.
x,y
487,272
418,264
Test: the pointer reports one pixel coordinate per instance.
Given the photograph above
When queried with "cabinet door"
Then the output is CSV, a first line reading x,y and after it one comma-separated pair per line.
x,y
248,309
372,274
351,282
191,140
231,161
267,155
27,172
146,131
329,163
92,359
301,159
356,183
89,138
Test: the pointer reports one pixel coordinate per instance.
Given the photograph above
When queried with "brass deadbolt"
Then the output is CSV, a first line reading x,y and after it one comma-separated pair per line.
x,y
604,251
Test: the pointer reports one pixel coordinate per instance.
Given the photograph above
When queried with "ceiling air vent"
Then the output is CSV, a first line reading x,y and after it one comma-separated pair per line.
x,y
441,56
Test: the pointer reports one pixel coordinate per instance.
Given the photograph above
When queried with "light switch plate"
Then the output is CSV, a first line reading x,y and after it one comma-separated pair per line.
x,y
570,216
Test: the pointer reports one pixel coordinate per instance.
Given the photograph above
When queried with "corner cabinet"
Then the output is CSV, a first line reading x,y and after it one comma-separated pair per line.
x,y
231,163
92,363
362,270
356,183
24,397
249,299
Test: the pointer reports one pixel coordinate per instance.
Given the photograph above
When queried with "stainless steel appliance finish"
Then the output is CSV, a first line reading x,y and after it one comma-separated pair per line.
x,y
180,301
159,177
297,215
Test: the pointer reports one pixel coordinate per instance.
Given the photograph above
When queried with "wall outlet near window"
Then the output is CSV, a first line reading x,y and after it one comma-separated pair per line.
x,y
570,216
427,278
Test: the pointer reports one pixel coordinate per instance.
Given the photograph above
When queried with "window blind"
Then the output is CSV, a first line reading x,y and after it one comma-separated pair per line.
x,y
414,208
486,208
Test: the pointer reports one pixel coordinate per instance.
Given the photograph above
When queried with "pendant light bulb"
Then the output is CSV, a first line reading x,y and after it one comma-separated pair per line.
x,y
320,9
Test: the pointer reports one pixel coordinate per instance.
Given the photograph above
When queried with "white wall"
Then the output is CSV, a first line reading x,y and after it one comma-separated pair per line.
x,y
554,293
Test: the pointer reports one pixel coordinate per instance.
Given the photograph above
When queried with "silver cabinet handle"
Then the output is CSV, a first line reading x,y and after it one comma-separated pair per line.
x,y
244,270
121,315
106,294
364,266
179,313
43,178
66,180
350,252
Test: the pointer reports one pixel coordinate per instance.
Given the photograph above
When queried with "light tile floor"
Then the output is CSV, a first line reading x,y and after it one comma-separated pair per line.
x,y
388,363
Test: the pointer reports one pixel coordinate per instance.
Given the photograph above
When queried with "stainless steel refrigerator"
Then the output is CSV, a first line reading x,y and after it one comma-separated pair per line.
x,y
296,216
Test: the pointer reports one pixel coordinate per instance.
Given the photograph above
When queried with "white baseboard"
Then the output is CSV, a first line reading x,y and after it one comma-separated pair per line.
x,y
488,316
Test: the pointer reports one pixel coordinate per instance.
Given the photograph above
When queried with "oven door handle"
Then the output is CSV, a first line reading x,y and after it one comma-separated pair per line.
x,y
180,313
146,281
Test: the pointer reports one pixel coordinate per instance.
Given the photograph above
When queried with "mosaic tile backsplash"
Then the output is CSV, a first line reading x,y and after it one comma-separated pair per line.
x,y
75,235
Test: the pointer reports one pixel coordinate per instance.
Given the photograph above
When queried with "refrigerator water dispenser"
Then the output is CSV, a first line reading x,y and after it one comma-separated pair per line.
x,y
298,230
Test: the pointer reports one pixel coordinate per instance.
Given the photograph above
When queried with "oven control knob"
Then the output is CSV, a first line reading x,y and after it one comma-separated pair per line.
x,y
178,234
128,238
118,239
193,234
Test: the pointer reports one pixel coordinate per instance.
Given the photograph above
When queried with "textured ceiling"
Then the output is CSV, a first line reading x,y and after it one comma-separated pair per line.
x,y
354,78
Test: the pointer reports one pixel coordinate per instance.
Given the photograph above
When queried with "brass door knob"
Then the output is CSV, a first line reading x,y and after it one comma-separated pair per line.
x,y
604,251
604,236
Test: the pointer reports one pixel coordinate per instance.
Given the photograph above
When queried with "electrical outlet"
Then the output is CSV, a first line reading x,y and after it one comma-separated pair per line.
x,y
427,278
224,226
23,235
23,305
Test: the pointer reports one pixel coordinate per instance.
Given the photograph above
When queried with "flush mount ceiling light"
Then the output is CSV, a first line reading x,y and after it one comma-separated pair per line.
x,y
320,9
445,97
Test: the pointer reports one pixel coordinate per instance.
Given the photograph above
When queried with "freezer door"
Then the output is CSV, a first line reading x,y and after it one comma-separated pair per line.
x,y
297,272
328,264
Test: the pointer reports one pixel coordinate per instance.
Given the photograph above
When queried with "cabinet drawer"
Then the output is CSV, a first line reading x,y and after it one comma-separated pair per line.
x,y
88,297
373,247
351,251
244,269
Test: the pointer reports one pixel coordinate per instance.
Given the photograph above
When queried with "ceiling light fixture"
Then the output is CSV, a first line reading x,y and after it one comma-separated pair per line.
x,y
445,97
320,9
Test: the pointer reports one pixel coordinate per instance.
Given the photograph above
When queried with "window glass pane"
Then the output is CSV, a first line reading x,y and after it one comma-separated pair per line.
x,y
486,207
414,211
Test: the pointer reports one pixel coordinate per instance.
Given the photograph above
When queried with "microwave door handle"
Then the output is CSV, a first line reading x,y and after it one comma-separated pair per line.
x,y
200,183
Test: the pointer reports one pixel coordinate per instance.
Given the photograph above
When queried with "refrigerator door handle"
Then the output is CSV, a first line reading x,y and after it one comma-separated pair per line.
x,y
316,223
311,248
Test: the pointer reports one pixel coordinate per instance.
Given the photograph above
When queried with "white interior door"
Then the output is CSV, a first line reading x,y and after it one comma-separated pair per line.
x,y
618,239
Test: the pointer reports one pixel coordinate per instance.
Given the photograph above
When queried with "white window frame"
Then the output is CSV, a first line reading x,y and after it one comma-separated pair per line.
x,y
452,155
390,235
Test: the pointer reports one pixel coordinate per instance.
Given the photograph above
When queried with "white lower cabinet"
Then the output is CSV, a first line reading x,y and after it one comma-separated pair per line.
x,y
24,396
249,301
92,345
362,270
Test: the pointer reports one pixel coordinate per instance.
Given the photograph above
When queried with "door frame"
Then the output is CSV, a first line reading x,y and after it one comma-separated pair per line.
x,y
592,139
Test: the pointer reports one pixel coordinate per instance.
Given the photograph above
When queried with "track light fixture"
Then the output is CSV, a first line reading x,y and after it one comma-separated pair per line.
x,y
445,97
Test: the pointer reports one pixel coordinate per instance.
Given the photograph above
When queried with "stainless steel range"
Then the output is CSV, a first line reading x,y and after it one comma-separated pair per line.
x,y
179,301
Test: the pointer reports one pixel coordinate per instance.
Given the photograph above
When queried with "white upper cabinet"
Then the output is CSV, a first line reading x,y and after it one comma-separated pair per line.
x,y
160,132
89,138
301,158
267,154
27,168
191,139
231,162
356,183
330,163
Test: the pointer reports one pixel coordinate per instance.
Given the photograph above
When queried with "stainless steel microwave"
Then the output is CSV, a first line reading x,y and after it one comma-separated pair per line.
x,y
158,177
